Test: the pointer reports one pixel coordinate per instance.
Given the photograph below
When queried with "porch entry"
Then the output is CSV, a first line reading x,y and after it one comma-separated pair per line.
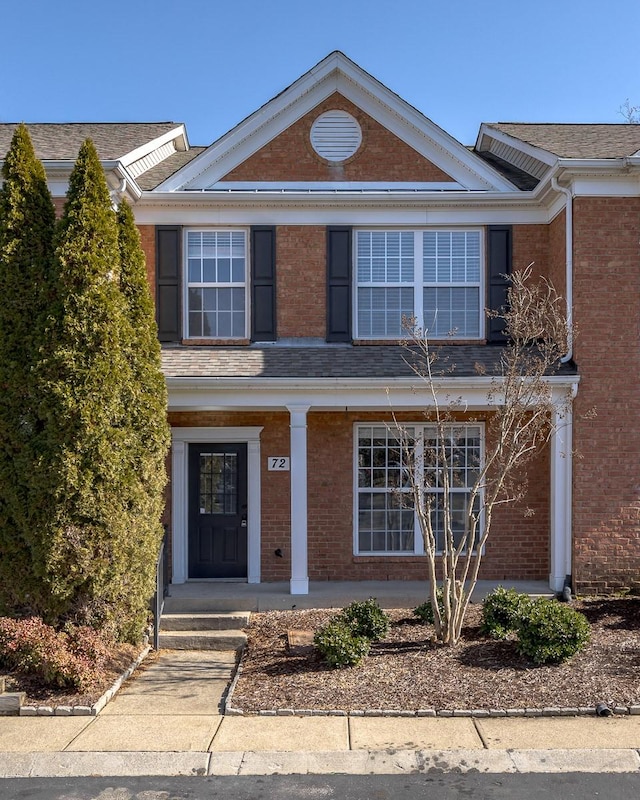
x,y
218,510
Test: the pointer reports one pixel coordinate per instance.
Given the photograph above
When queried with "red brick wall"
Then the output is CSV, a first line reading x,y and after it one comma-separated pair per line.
x,y
558,254
531,245
148,242
606,469
517,547
381,156
301,280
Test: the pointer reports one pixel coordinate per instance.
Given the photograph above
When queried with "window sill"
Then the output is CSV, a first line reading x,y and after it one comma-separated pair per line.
x,y
214,342
409,340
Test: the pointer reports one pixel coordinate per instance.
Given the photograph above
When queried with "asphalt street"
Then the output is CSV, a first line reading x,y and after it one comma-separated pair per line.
x,y
432,786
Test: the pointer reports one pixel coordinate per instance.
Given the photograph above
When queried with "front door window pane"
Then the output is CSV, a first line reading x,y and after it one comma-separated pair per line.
x,y
218,483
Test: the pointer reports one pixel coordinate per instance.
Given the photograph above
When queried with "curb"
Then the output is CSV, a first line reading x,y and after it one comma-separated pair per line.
x,y
353,762
86,711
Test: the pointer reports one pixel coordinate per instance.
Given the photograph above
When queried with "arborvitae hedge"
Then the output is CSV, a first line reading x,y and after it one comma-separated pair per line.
x,y
100,561
27,221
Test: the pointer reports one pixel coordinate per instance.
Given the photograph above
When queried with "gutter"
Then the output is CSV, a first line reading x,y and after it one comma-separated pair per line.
x,y
569,262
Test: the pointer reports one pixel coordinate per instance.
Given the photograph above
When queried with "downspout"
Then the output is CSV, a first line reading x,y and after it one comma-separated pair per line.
x,y
569,263
568,427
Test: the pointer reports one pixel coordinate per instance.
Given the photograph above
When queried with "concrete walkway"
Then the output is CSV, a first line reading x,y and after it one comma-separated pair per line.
x,y
168,722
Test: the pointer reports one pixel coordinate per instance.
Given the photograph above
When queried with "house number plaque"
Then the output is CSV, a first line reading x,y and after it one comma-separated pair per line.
x,y
278,463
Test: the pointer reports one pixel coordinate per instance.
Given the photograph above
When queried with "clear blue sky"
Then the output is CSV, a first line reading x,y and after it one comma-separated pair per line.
x,y
210,63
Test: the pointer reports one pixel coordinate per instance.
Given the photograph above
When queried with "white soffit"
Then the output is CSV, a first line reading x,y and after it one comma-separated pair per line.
x,y
527,157
337,73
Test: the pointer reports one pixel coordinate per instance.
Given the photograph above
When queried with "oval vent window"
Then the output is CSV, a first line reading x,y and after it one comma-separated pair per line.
x,y
335,135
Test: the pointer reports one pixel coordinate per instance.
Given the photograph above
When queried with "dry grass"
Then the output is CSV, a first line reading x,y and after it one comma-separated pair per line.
x,y
407,671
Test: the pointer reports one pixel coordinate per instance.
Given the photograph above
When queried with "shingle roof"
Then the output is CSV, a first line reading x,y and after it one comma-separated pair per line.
x,y
576,141
163,170
331,361
61,141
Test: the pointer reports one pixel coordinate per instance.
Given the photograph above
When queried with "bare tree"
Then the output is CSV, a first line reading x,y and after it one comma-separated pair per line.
x,y
453,487
630,113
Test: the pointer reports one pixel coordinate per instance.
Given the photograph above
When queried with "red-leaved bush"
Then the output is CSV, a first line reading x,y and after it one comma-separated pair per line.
x,y
69,659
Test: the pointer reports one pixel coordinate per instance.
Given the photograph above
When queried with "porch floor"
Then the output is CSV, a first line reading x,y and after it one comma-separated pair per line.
x,y
230,596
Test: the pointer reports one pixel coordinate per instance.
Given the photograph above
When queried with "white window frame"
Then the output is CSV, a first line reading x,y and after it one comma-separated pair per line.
x,y
230,285
418,284
418,544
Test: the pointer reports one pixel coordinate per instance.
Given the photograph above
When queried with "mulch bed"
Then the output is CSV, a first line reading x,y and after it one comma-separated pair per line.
x,y
122,656
407,671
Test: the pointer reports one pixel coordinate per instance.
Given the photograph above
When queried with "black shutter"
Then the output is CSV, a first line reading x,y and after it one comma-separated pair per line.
x,y
339,254
168,282
263,284
499,247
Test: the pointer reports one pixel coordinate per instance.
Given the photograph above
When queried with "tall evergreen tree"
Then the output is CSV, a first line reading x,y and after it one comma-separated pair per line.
x,y
27,221
89,442
146,409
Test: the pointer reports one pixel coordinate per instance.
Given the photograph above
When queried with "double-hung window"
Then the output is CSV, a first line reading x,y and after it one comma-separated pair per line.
x,y
216,284
430,278
385,519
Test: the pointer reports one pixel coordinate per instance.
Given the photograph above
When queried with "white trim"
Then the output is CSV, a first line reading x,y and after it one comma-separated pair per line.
x,y
299,583
177,135
538,153
327,394
561,495
180,439
337,186
226,210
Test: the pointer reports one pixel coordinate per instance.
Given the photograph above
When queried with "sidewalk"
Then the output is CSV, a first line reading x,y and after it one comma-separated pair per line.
x,y
168,722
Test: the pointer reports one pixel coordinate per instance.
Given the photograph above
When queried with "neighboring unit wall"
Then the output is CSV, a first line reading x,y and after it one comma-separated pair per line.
x,y
382,156
607,316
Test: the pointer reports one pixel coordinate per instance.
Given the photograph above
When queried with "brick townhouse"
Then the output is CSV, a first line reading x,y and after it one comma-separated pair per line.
x,y
283,258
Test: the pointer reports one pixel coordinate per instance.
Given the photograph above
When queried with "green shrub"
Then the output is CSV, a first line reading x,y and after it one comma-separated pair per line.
x,y
550,632
424,612
366,619
339,645
61,660
501,611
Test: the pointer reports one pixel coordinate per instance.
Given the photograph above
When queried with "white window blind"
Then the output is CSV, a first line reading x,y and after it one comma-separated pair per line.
x,y
431,278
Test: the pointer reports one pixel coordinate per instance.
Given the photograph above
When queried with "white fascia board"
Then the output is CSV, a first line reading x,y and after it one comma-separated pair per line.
x,y
347,187
531,150
179,133
337,74
243,394
340,213
615,177
58,173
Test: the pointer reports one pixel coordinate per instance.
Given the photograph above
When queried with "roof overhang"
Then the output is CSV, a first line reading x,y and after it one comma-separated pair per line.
x,y
345,394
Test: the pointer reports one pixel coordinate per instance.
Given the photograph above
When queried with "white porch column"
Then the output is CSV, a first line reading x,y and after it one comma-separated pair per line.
x,y
179,510
299,573
561,502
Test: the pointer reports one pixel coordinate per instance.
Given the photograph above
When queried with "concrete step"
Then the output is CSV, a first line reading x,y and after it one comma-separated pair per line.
x,y
205,621
208,605
203,640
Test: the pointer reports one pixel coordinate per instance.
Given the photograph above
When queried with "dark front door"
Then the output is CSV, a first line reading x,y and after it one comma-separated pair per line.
x,y
217,510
